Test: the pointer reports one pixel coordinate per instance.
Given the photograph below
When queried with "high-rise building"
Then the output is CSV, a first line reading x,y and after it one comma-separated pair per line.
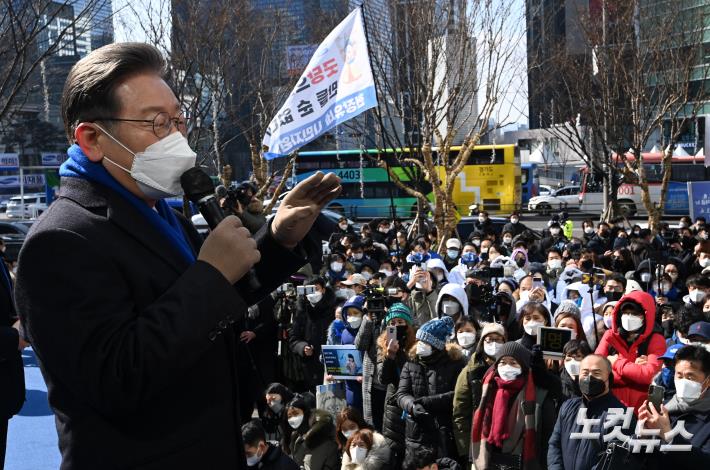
x,y
552,26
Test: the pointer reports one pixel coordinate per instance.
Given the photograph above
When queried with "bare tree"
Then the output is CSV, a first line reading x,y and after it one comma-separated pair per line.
x,y
31,32
441,77
644,73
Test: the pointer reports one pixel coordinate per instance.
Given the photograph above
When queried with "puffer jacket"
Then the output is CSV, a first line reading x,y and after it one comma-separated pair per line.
x,y
388,371
631,380
378,458
431,383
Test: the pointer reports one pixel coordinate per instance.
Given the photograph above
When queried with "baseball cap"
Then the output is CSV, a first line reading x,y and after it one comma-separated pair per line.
x,y
700,328
453,243
670,352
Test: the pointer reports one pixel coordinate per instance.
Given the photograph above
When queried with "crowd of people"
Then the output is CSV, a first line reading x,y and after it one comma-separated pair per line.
x,y
465,384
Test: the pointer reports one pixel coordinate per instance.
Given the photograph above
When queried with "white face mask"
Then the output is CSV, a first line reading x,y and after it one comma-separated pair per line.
x,y
336,266
254,459
354,322
696,296
450,307
296,421
531,327
423,349
452,254
345,293
572,367
513,220
481,219
554,232
631,322
357,256
343,226
554,263
507,240
645,277
386,272
507,372
589,230
607,322
315,297
687,390
466,339
524,295
158,168
358,454
367,275
491,348
349,433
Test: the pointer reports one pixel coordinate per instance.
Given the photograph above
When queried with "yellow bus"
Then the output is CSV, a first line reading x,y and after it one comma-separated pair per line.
x,y
491,179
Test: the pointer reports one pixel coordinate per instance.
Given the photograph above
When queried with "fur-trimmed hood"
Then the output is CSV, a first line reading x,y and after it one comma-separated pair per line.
x,y
453,350
378,457
322,429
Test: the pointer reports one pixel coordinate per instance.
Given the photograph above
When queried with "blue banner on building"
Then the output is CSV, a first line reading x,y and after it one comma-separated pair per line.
x,y
699,195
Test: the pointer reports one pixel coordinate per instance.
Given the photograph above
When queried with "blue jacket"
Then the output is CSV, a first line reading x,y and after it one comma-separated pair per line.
x,y
564,453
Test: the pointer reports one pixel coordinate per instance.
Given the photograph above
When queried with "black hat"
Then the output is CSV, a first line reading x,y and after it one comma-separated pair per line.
x,y
517,351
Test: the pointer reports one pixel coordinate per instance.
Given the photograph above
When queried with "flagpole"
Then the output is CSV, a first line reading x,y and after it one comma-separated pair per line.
x,y
393,211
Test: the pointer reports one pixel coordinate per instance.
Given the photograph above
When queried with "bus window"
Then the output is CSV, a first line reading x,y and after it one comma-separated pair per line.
x,y
687,172
524,176
486,157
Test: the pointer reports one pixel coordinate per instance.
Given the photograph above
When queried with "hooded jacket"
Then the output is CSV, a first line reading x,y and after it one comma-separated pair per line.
x,y
378,458
455,291
631,380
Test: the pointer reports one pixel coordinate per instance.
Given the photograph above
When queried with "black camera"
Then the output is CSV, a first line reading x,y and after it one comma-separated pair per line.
x,y
242,193
375,301
485,273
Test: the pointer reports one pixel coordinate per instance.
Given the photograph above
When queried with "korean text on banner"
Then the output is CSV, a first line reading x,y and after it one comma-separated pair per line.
x,y
336,86
699,199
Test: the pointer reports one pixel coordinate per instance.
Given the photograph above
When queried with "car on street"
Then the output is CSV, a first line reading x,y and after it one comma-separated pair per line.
x,y
31,206
545,190
564,198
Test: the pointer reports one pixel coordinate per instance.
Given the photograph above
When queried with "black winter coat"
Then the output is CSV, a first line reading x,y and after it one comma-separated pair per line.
x,y
275,459
12,374
136,345
310,327
388,371
431,384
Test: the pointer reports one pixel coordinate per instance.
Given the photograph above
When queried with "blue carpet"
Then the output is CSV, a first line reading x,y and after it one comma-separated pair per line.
x,y
32,436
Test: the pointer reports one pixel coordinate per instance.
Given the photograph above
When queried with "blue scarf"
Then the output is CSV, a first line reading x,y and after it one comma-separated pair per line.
x,y
164,220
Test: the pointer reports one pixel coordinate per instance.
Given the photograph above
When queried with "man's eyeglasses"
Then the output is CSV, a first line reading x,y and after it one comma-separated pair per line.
x,y
162,123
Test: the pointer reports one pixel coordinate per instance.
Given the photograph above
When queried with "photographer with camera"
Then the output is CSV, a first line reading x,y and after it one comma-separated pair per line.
x,y
314,312
241,201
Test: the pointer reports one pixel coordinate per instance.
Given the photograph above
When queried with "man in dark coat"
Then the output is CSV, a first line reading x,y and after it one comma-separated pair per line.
x,y
132,320
12,375
565,452
309,331
690,407
262,454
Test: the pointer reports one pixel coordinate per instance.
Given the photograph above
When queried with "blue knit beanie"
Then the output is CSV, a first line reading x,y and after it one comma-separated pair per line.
x,y
436,331
399,310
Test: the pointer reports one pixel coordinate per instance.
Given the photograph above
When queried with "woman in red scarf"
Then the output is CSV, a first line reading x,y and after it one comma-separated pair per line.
x,y
515,418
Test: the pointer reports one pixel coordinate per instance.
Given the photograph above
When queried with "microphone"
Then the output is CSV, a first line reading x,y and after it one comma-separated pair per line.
x,y
200,190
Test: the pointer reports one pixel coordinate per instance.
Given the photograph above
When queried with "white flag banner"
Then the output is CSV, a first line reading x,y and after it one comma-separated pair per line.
x,y
336,86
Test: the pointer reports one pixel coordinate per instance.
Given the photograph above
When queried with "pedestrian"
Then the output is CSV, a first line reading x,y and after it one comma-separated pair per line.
x,y
506,431
314,313
568,453
260,453
392,355
689,408
366,450
574,351
633,348
426,388
467,393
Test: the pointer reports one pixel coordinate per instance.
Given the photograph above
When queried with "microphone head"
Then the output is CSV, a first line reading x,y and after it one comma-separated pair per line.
x,y
196,184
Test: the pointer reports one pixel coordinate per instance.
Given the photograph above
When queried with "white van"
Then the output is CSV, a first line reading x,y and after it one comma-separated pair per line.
x,y
33,205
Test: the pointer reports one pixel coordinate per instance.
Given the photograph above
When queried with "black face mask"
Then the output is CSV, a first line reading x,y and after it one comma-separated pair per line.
x,y
667,328
613,296
617,265
401,333
591,387
587,265
520,262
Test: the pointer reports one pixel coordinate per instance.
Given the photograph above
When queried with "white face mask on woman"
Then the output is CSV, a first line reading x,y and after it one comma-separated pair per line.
x,y
507,372
466,339
572,367
532,326
358,454
424,349
295,421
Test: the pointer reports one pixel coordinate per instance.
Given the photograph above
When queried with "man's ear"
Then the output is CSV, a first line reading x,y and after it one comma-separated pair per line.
x,y
87,137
